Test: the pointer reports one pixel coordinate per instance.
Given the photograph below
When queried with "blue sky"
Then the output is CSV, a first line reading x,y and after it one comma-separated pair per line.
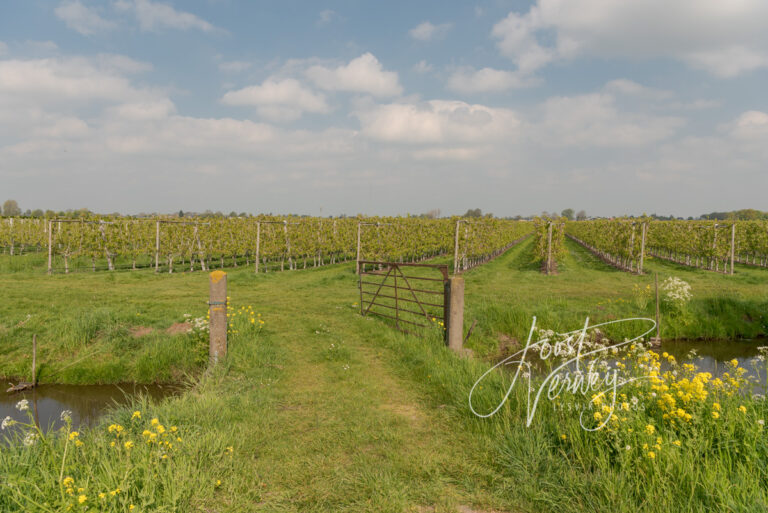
x,y
612,106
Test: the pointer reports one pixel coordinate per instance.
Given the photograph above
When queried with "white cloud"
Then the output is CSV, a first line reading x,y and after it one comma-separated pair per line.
x,y
121,63
631,88
150,109
82,19
422,67
728,62
437,122
468,80
153,16
234,66
427,31
279,100
593,120
69,79
723,38
325,17
751,125
3,48
41,47
362,75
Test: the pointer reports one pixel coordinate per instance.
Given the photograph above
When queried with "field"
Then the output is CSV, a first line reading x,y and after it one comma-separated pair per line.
x,y
320,409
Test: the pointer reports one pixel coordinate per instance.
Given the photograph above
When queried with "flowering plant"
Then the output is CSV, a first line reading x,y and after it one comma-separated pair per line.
x,y
676,291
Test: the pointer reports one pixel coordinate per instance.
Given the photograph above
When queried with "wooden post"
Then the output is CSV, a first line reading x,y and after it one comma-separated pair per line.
x,y
549,247
642,249
456,250
258,243
455,319
287,245
357,266
218,316
157,246
34,360
658,319
50,247
733,244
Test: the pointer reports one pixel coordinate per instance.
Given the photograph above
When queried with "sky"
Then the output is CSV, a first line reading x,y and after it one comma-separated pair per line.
x,y
383,108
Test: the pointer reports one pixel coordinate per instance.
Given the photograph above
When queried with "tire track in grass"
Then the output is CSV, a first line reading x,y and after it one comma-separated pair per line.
x,y
350,435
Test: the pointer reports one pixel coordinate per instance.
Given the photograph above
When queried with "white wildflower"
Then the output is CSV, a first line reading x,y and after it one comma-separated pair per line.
x,y
30,439
66,416
8,421
676,291
22,405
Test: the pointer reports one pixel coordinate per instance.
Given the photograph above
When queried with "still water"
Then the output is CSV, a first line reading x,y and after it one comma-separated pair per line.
x,y
711,356
86,402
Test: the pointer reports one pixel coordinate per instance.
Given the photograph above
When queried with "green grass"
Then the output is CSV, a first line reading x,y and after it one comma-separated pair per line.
x,y
329,411
505,295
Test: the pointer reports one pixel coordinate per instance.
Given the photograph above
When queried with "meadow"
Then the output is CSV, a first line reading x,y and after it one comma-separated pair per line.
x,y
319,409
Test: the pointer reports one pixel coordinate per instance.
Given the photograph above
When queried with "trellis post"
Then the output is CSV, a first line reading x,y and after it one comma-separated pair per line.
x,y
157,246
549,247
258,243
733,244
357,266
454,319
456,249
50,247
642,248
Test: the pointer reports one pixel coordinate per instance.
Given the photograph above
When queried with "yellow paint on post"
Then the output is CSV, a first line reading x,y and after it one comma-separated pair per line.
x,y
216,276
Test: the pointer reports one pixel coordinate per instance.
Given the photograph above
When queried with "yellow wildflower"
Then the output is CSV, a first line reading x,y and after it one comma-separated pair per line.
x,y
650,429
743,409
81,499
73,435
715,415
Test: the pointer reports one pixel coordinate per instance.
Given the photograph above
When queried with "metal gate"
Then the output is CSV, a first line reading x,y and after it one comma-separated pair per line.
x,y
411,295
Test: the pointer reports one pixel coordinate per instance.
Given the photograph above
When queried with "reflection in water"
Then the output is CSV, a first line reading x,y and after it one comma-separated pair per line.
x,y
712,356
86,402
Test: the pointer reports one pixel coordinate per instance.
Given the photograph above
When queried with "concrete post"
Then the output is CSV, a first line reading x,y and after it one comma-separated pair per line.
x,y
357,266
455,320
218,314
456,249
157,246
549,247
733,244
50,247
258,244
642,249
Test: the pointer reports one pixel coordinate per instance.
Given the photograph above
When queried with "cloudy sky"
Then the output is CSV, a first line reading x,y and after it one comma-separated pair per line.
x,y
612,106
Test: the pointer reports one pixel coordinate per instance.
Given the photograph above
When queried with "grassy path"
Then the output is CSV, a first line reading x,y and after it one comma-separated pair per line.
x,y
347,432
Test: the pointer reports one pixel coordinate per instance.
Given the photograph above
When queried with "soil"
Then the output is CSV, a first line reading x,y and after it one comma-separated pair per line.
x,y
179,327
